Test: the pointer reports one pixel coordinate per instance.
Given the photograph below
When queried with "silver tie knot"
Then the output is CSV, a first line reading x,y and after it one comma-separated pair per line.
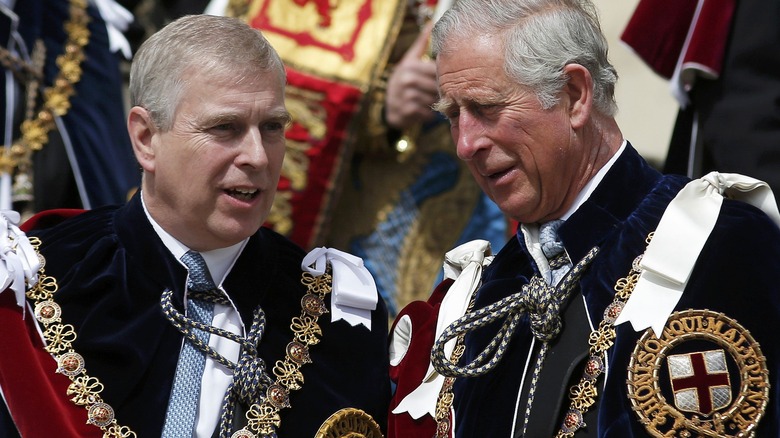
x,y
549,239
199,278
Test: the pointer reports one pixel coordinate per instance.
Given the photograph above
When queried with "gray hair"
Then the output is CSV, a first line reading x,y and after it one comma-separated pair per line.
x,y
540,38
196,44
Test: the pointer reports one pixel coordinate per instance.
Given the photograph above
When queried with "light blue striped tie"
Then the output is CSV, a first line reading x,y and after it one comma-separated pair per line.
x,y
553,249
185,396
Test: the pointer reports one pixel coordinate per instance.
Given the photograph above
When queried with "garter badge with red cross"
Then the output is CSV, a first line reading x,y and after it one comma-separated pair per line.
x,y
700,381
705,376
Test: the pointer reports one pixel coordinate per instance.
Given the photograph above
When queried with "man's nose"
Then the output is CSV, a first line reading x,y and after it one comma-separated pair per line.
x,y
468,136
253,151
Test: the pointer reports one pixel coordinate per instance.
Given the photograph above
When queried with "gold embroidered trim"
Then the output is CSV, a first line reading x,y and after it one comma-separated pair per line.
x,y
238,9
583,394
35,132
83,390
736,416
349,423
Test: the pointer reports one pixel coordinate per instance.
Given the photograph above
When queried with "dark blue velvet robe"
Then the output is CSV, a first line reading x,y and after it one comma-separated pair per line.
x,y
112,268
736,274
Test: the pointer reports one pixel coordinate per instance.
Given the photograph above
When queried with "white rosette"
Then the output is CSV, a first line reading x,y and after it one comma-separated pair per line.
x,y
19,263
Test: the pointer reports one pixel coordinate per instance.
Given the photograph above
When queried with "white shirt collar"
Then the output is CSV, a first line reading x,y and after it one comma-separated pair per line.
x,y
531,231
219,261
591,185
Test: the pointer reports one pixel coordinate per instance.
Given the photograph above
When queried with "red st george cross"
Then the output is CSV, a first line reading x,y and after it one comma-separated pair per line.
x,y
701,380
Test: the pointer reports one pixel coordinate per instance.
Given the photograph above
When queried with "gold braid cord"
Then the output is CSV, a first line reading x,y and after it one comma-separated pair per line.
x,y
35,132
583,394
83,390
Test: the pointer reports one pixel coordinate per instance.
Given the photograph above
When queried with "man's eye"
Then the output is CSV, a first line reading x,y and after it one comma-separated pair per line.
x,y
223,127
453,118
485,110
274,126
451,115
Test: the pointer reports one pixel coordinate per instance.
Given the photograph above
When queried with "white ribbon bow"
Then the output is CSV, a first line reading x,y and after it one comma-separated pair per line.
x,y
463,264
354,293
684,229
117,20
19,262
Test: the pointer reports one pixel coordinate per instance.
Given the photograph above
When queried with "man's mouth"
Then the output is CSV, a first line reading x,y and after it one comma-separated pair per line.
x,y
242,194
499,174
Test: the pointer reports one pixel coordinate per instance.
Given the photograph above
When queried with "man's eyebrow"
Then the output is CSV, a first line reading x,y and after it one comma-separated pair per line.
x,y
209,120
281,115
443,105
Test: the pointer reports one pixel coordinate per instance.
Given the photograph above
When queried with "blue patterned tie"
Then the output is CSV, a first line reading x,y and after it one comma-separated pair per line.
x,y
553,249
185,396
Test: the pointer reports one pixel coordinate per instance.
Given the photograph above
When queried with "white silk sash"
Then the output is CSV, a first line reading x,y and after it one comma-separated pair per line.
x,y
684,229
463,264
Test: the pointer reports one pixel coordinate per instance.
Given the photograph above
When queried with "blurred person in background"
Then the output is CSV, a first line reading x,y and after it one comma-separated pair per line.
x,y
65,140
722,61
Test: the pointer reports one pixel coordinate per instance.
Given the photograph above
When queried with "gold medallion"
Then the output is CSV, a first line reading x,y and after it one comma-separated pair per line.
x,y
705,376
349,423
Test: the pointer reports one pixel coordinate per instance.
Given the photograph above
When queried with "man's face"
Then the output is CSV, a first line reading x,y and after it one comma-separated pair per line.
x,y
214,173
521,155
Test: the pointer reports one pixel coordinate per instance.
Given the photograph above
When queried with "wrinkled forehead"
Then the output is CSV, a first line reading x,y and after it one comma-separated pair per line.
x,y
463,53
487,42
469,58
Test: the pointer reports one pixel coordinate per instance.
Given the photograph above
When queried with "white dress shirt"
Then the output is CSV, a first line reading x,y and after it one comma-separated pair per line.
x,y
216,377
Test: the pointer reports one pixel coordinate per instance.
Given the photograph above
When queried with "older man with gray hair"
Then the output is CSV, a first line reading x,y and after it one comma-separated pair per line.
x,y
630,303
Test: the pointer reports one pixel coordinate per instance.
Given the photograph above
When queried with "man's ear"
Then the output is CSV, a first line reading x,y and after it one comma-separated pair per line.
x,y
142,129
579,90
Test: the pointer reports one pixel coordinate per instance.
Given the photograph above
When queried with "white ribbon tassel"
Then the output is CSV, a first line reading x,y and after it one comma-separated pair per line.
x,y
463,264
19,262
684,229
117,20
354,293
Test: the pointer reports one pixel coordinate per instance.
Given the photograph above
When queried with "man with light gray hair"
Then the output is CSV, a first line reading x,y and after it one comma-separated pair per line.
x,y
178,314
533,342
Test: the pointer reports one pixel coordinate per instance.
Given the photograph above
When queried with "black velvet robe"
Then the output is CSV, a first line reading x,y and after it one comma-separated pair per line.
x,y
112,268
736,274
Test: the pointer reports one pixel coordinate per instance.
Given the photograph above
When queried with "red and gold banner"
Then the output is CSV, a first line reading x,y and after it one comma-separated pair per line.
x,y
335,52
